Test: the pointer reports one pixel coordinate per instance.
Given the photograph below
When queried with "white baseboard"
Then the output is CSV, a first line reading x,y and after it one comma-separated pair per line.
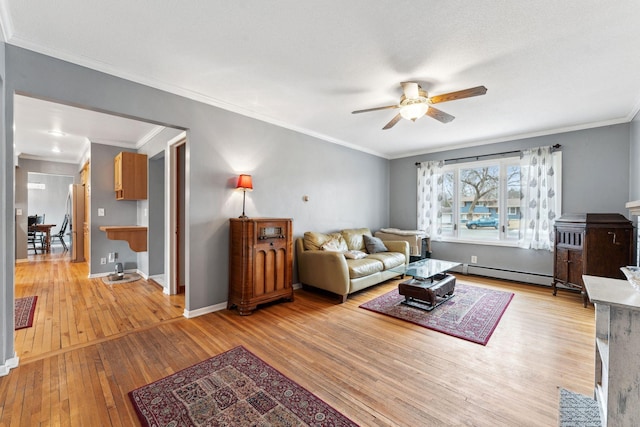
x,y
142,274
99,275
8,365
218,307
21,260
189,314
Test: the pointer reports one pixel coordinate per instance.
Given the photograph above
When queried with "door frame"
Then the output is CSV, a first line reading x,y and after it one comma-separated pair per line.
x,y
171,243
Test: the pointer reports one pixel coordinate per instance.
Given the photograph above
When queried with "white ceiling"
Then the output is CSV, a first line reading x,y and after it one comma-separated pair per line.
x,y
37,123
549,65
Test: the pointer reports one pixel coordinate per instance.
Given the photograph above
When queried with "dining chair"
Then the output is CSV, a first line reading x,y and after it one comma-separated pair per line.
x,y
61,232
31,233
40,234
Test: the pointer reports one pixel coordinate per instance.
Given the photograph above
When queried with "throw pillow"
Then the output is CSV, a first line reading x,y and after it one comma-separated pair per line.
x,y
374,244
354,254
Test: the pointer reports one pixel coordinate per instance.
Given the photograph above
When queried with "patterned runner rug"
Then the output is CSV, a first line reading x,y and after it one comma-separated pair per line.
x,y
472,314
235,388
577,410
25,308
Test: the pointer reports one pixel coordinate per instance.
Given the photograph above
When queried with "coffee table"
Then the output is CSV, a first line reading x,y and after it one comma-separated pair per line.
x,y
430,284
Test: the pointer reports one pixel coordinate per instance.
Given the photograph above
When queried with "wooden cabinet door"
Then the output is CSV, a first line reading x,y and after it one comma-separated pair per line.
x,y
117,172
569,266
575,268
562,265
130,176
608,249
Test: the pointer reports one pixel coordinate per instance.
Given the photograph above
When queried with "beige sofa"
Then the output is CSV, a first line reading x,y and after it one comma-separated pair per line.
x,y
324,261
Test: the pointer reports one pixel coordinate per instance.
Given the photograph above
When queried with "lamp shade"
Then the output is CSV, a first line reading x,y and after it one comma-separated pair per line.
x,y
244,182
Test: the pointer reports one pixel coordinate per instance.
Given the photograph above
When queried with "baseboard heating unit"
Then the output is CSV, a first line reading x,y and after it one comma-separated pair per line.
x,y
500,273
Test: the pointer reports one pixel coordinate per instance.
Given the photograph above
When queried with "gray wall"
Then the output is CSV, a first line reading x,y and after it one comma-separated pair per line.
x,y
117,212
156,217
21,194
347,188
595,178
634,156
152,261
7,228
634,174
52,201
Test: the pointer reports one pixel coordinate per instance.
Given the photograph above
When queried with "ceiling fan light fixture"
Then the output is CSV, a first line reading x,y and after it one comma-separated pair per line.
x,y
413,110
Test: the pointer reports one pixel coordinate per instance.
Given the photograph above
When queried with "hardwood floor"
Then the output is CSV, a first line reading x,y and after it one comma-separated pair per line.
x,y
92,343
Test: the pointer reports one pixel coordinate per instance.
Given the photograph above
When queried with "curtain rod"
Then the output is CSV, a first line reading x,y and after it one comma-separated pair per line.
x,y
555,147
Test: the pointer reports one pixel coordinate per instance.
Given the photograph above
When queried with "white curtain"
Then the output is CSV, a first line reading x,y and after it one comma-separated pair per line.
x,y
430,194
540,201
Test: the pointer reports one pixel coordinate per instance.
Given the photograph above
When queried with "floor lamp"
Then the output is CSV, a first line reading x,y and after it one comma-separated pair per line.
x,y
244,182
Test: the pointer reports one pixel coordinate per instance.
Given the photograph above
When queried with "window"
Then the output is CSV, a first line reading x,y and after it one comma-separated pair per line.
x,y
483,201
478,199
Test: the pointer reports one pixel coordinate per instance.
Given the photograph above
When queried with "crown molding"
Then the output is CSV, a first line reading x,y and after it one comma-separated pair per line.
x,y
149,136
6,29
518,137
176,90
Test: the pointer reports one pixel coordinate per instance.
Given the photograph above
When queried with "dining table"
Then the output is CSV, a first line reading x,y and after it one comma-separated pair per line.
x,y
46,230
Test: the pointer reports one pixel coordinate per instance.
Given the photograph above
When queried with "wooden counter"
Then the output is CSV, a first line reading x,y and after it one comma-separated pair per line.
x,y
135,235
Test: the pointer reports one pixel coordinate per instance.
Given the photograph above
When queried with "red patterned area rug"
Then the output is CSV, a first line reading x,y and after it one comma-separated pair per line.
x,y
472,314
235,388
25,308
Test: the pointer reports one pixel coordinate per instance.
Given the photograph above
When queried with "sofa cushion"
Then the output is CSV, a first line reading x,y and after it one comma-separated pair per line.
x,y
313,241
363,267
335,244
353,237
373,244
389,259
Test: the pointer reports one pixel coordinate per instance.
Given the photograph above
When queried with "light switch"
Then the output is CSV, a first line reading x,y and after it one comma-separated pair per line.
x,y
100,211
18,212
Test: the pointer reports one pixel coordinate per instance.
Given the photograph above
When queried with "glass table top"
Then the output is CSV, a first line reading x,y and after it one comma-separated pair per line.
x,y
425,268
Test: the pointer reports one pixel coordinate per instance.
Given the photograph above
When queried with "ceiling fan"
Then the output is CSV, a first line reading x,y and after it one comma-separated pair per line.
x,y
415,103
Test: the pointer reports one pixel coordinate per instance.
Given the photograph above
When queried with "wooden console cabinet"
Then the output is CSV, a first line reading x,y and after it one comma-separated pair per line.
x,y
130,176
617,369
594,244
260,262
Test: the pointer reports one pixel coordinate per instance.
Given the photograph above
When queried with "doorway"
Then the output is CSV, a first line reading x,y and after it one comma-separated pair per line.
x,y
177,208
48,198
157,139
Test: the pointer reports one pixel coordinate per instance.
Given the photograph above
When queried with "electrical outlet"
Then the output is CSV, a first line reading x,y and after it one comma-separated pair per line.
x,y
103,260
112,257
474,259
100,211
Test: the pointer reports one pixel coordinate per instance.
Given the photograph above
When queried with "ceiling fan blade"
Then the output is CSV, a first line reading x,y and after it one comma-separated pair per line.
x,y
451,96
411,90
388,107
440,116
393,122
